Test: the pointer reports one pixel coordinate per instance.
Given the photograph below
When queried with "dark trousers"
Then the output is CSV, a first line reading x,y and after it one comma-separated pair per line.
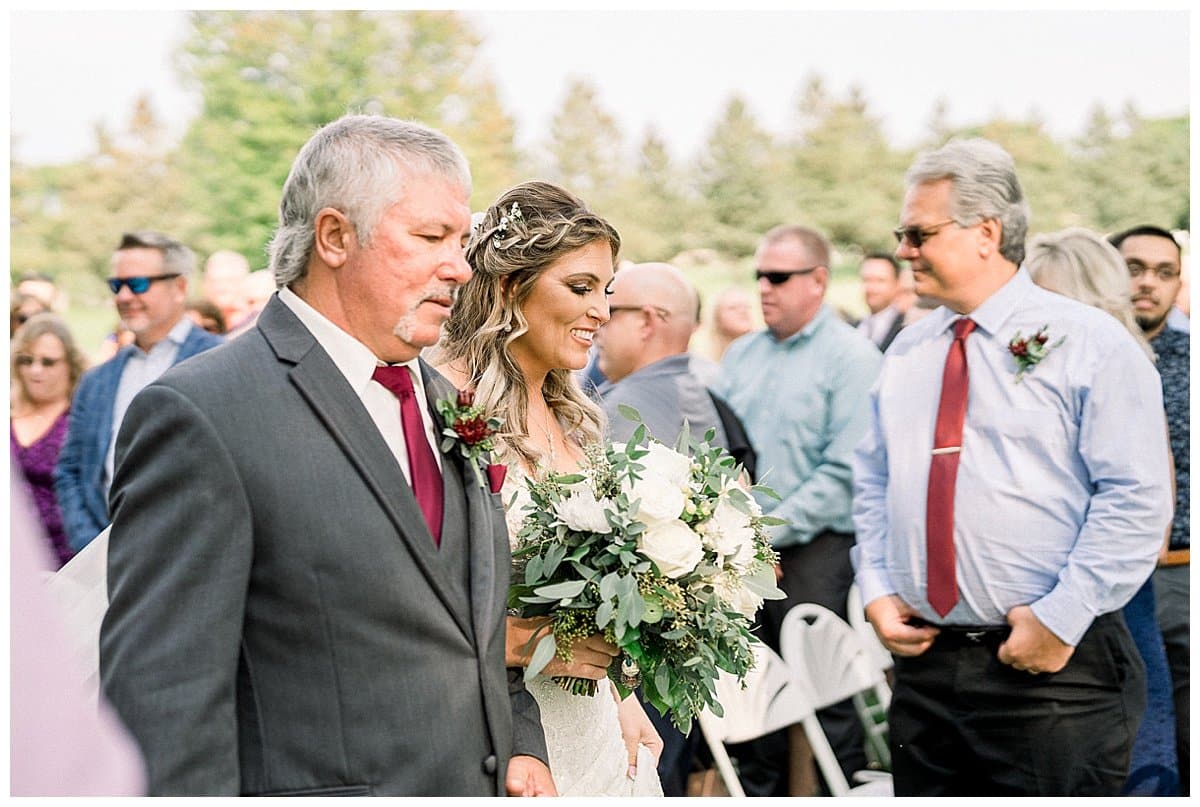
x,y
962,723
819,572
1171,591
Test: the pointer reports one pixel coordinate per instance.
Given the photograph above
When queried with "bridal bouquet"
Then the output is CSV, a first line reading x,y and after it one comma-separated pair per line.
x,y
663,551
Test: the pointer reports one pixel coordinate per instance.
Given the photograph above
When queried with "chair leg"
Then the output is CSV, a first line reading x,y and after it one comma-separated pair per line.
x,y
724,764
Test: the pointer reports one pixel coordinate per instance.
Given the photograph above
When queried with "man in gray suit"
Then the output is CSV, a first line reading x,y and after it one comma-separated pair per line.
x,y
291,612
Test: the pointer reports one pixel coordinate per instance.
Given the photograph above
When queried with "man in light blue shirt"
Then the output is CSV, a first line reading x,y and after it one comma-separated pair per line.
x,y
800,388
1028,683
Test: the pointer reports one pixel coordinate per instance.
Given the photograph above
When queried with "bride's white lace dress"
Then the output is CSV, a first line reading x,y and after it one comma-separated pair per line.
x,y
583,735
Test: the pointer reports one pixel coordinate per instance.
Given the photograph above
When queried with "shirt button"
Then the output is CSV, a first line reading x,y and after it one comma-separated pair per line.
x,y
489,764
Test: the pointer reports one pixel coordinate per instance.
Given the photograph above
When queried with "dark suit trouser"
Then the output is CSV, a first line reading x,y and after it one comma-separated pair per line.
x,y
962,723
820,572
1171,592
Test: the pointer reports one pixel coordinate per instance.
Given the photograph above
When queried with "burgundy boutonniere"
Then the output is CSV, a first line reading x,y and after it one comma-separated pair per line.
x,y
468,428
495,475
1028,351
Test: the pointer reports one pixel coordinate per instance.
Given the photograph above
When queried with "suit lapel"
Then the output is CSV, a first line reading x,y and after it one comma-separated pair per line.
x,y
322,385
480,534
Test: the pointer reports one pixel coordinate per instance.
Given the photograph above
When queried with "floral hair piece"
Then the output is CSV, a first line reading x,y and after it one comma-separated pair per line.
x,y
514,214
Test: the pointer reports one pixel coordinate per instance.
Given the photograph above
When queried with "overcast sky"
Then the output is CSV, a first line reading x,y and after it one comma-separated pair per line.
x,y
675,69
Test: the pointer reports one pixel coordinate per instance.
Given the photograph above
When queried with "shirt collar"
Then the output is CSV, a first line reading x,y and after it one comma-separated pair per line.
x,y
180,332
175,338
354,359
807,332
995,310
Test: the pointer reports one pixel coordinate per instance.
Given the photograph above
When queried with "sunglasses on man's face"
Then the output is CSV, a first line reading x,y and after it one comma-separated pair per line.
x,y
779,278
137,285
29,361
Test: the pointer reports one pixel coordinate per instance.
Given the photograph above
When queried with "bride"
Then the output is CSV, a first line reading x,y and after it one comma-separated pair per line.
x,y
542,264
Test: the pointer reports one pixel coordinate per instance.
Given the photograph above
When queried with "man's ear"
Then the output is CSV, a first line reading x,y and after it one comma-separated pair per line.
x,y
332,237
990,231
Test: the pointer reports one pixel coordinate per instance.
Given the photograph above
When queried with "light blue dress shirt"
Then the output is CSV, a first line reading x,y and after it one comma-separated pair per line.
x,y
1063,493
803,402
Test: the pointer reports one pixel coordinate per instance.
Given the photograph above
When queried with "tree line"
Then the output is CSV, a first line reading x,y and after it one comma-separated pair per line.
x,y
268,79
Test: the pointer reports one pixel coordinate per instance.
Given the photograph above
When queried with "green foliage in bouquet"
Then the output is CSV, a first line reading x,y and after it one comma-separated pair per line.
x,y
662,551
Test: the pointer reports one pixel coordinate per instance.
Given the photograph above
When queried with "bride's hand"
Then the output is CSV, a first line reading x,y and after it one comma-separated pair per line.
x,y
636,729
590,657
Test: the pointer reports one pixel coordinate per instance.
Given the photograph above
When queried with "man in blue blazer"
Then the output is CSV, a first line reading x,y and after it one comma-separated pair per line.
x,y
150,275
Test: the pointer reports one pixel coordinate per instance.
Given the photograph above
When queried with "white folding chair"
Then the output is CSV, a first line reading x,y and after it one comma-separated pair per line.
x,y
771,700
858,620
874,715
829,660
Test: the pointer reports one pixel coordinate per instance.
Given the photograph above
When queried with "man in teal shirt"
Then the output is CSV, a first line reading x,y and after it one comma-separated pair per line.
x,y
800,386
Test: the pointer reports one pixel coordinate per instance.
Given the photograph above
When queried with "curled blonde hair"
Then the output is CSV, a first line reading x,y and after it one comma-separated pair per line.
x,y
508,257
1080,264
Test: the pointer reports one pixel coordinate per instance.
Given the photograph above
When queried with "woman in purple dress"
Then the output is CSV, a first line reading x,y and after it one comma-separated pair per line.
x,y
46,367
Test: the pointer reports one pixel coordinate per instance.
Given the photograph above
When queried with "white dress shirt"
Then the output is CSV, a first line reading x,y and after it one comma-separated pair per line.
x,y
357,363
1063,493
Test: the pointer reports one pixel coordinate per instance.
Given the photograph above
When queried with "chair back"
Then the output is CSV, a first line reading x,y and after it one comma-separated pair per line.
x,y
827,655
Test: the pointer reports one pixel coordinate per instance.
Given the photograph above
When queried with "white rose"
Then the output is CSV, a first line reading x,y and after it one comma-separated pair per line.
x,y
582,512
673,547
659,499
730,590
733,526
668,463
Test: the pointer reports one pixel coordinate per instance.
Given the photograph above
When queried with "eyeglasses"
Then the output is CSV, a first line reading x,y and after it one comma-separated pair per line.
x,y
29,361
137,285
916,236
1164,273
776,278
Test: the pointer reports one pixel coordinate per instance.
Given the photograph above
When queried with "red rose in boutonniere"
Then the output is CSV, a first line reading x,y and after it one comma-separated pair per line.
x,y
1028,351
468,428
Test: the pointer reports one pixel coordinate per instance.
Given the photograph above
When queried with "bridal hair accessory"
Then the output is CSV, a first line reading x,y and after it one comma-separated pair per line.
x,y
1028,351
469,429
514,214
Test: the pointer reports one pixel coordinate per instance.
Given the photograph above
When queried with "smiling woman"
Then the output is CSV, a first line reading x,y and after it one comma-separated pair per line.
x,y
542,265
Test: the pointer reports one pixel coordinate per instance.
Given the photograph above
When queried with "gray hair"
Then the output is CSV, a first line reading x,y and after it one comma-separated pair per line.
x,y
984,185
357,164
1080,264
177,259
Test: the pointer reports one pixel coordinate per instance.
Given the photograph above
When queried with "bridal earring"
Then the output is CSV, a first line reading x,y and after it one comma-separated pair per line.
x,y
508,327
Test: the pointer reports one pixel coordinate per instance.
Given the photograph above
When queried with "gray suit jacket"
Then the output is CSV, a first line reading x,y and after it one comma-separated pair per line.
x,y
280,620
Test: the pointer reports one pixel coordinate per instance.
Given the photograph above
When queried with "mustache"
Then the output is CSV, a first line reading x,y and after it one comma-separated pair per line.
x,y
1152,298
447,292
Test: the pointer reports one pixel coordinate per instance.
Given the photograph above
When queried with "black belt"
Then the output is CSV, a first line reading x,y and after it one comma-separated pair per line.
x,y
956,636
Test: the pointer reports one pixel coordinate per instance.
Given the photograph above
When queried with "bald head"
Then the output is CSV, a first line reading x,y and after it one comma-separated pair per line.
x,y
225,273
655,311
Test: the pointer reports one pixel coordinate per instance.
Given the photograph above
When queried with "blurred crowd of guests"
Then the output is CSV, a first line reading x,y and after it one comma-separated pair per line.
x,y
777,372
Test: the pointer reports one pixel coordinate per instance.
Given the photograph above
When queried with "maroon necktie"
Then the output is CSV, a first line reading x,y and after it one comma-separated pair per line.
x,y
941,585
422,466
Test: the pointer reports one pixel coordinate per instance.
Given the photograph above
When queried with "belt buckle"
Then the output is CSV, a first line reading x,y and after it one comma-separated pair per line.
x,y
975,636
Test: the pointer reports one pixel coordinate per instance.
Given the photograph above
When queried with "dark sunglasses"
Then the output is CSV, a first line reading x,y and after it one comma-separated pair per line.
x,y
29,361
779,278
916,236
137,285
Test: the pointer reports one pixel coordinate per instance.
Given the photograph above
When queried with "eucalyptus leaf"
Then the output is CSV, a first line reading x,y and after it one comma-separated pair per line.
x,y
542,654
561,591
629,413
